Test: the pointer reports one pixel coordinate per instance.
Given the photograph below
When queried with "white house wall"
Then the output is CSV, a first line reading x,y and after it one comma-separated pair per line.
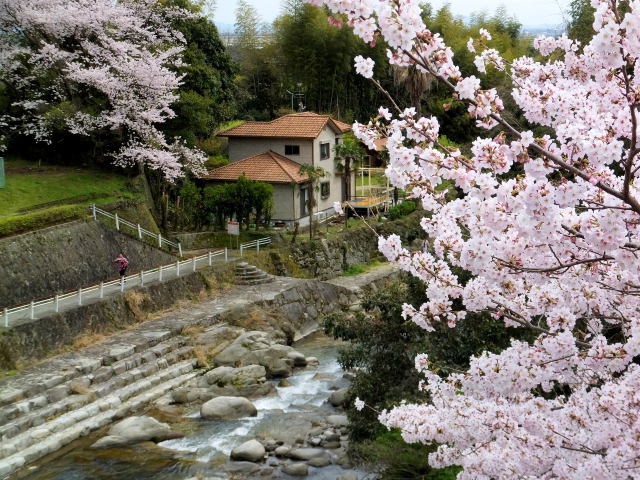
x,y
333,176
243,147
283,202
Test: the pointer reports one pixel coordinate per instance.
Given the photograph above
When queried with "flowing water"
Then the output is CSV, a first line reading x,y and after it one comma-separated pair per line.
x,y
286,416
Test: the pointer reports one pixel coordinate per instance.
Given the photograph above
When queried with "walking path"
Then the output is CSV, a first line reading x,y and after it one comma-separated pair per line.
x,y
88,295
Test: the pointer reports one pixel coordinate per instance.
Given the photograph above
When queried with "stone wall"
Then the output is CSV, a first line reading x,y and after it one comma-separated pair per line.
x,y
62,258
328,258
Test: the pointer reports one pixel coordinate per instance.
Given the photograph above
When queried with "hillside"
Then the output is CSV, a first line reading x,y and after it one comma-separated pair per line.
x,y
38,195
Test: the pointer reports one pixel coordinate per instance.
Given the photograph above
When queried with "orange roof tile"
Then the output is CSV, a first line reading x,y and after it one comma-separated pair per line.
x,y
295,125
267,167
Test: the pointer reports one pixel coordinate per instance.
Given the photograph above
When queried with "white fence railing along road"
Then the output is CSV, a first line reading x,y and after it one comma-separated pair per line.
x,y
95,292
136,229
256,243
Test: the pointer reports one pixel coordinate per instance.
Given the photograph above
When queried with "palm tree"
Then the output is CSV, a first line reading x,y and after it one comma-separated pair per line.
x,y
314,173
416,82
349,154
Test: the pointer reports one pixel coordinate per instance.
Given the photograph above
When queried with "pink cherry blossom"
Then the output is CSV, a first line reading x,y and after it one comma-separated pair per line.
x,y
555,249
125,53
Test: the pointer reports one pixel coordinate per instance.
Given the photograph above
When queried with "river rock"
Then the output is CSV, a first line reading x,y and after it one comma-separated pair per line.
x,y
312,361
228,408
339,397
320,462
251,451
255,348
135,430
348,476
297,358
338,420
282,451
249,375
306,453
242,469
296,469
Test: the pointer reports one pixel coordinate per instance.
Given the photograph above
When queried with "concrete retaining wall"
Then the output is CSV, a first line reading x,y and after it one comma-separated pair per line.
x,y
36,339
62,258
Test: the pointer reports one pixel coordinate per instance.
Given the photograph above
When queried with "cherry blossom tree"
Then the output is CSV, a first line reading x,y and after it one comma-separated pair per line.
x,y
96,65
554,246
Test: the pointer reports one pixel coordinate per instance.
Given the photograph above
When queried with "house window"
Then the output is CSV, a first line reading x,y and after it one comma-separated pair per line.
x,y
292,149
304,198
325,189
325,151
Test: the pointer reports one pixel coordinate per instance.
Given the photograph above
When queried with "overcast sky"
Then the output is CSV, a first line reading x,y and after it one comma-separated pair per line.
x,y
538,12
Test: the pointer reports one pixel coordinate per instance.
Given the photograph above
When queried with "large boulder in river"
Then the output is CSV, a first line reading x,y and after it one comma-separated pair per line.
x,y
243,376
256,348
296,469
135,430
339,397
306,453
251,451
228,408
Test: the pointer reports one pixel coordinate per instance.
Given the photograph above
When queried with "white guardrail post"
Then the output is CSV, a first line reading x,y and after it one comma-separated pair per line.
x,y
6,317
101,289
226,254
142,278
31,310
139,232
160,240
80,296
194,263
93,211
179,249
57,301
117,222
178,268
122,279
209,257
160,274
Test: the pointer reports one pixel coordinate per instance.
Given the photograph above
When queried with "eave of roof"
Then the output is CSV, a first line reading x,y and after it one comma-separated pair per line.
x,y
269,167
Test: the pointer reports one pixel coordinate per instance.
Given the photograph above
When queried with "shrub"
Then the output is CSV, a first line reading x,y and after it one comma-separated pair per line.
x,y
401,210
43,218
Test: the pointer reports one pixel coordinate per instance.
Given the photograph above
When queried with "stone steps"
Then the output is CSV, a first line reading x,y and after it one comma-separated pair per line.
x,y
34,411
93,407
62,431
53,405
249,275
37,382
40,416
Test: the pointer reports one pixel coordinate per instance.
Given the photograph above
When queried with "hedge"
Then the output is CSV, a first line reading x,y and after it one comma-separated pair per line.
x,y
40,219
401,210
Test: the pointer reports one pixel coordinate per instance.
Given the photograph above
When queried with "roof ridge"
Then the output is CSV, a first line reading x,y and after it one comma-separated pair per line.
x,y
277,158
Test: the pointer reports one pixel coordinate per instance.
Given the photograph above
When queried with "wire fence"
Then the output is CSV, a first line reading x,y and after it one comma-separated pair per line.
x,y
84,295
136,229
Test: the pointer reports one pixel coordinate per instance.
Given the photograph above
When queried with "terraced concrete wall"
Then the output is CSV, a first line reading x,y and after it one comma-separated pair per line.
x,y
62,258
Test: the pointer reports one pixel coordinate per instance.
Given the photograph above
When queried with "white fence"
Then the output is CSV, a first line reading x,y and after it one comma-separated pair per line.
x,y
53,304
136,229
255,243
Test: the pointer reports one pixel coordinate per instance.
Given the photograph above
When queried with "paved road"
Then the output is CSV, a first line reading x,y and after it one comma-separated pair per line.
x,y
93,296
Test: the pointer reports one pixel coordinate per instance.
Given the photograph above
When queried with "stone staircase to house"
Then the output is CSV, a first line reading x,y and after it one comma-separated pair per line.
x,y
48,410
249,275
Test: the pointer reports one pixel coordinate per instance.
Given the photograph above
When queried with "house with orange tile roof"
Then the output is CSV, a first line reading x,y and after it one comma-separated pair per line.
x,y
274,151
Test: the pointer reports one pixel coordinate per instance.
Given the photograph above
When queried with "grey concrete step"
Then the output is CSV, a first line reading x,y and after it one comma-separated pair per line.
x,y
34,383
113,401
50,438
100,389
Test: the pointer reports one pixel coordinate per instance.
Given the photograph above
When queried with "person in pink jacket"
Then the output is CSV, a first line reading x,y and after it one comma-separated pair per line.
x,y
122,264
